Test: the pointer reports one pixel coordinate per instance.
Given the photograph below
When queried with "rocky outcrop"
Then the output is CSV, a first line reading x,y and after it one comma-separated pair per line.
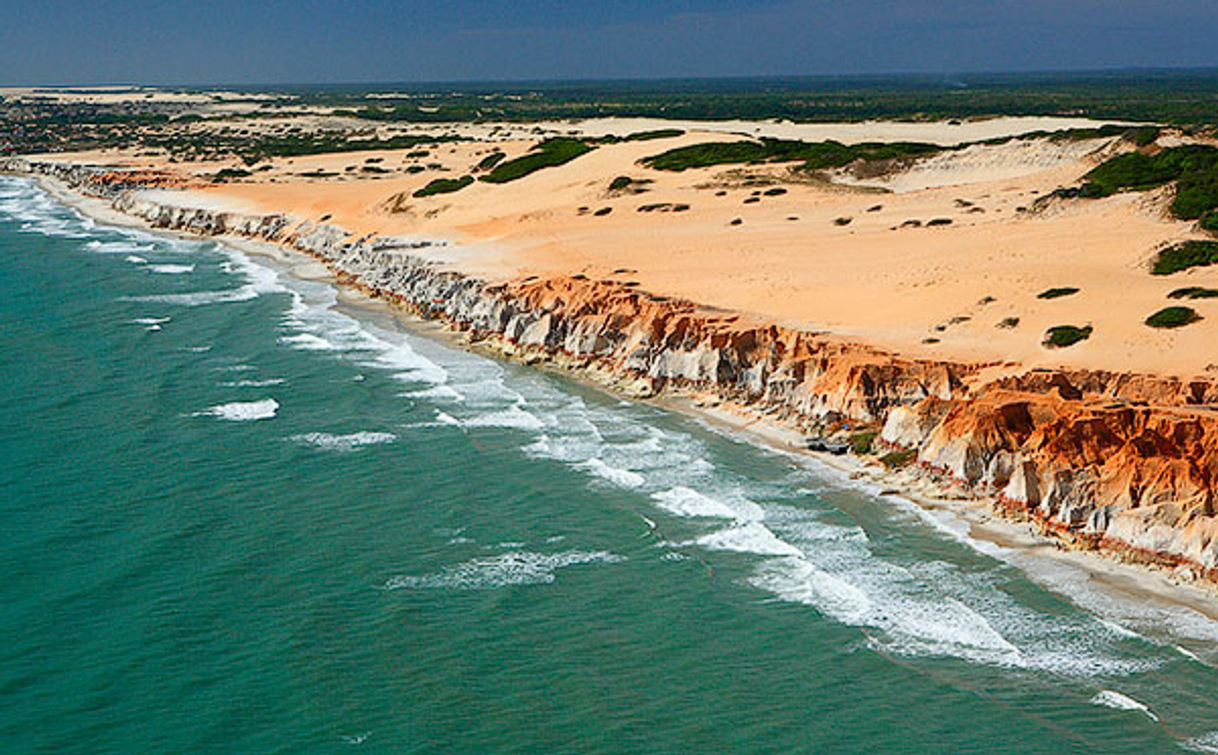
x,y
1127,464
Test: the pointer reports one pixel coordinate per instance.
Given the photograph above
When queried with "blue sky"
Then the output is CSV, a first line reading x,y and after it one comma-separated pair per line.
x,y
291,41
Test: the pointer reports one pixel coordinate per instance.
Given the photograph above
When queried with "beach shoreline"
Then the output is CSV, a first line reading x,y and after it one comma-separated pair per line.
x,y
979,522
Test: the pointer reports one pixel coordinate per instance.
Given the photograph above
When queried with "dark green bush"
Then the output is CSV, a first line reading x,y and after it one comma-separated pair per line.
x,y
864,442
227,173
619,183
1194,292
1061,336
660,133
444,186
1057,293
1184,255
548,154
490,161
1173,317
1193,167
899,459
813,155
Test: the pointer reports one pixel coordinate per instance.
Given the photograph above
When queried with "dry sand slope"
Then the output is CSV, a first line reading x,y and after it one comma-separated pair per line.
x,y
841,257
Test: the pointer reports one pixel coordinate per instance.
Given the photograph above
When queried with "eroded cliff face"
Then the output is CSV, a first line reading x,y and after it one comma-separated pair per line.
x,y
1123,463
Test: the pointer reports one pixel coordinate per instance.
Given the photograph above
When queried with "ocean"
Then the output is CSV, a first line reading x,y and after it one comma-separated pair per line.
x,y
242,515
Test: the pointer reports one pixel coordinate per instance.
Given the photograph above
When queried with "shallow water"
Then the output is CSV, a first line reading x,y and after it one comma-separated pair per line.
x,y
241,517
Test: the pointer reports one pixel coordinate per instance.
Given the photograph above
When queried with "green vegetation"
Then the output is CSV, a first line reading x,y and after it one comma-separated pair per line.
x,y
1061,336
619,183
1193,167
642,136
899,459
548,154
863,443
1209,222
1184,255
444,186
489,161
1057,293
1008,323
1173,317
229,173
659,133
813,155
1194,292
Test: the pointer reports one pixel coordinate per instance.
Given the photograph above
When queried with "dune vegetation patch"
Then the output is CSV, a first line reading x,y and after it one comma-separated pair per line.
x,y
1057,293
548,154
1173,317
1185,255
490,161
1061,336
444,186
1194,292
1193,168
813,155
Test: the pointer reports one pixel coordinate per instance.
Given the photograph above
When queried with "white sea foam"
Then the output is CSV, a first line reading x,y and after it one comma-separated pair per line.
x,y
242,411
253,383
436,393
344,443
172,269
749,537
307,342
1113,699
621,477
683,501
151,320
504,570
1207,742
513,417
135,259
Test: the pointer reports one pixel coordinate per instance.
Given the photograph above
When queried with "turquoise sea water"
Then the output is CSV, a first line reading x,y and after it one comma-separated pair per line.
x,y
240,517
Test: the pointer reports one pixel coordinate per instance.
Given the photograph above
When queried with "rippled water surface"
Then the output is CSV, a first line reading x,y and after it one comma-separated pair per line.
x,y
242,517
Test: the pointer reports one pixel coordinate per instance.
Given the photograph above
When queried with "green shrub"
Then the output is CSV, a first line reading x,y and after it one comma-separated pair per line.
x,y
1194,292
660,133
489,161
1008,322
548,154
1057,293
1193,167
227,173
1209,222
863,443
619,183
899,459
1061,336
444,186
813,155
1184,255
1173,317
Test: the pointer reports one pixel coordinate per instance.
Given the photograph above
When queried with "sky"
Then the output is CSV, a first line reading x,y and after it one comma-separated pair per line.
x,y
318,41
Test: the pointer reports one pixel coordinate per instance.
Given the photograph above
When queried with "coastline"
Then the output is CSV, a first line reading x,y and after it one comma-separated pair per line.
x,y
980,517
